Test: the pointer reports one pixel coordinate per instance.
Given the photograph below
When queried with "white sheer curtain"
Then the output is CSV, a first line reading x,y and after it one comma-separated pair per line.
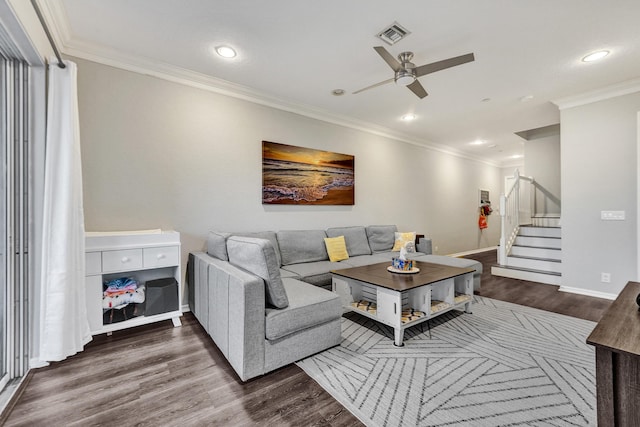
x,y
64,328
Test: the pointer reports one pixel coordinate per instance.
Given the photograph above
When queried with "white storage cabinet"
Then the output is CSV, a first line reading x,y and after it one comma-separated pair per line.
x,y
141,256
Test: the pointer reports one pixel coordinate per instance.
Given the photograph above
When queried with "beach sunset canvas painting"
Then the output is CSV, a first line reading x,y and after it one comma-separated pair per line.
x,y
304,176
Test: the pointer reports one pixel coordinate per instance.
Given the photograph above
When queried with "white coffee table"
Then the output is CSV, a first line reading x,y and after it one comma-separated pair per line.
x,y
389,297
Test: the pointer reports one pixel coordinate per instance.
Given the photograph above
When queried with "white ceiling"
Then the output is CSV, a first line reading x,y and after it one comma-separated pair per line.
x,y
293,53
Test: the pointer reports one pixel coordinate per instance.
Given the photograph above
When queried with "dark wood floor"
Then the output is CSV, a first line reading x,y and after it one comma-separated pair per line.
x,y
157,375
538,295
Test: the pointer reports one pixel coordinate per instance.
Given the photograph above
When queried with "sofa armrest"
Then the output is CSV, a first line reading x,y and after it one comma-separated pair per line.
x,y
230,304
423,244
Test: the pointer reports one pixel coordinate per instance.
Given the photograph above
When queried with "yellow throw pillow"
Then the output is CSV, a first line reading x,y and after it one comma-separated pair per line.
x,y
336,248
402,239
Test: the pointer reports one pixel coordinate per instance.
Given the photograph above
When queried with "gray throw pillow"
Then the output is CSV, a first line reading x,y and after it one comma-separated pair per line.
x,y
258,256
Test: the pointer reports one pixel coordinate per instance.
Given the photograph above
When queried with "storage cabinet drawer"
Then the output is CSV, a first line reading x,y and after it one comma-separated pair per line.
x,y
122,260
93,263
161,257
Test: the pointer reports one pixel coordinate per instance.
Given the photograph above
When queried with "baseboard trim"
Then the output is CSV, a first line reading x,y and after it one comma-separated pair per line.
x,y
185,308
474,251
35,363
588,293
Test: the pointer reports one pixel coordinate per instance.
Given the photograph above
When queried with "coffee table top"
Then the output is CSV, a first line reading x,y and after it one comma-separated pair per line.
x,y
378,275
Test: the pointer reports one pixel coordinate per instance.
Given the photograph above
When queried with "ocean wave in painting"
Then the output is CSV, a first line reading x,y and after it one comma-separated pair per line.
x,y
286,180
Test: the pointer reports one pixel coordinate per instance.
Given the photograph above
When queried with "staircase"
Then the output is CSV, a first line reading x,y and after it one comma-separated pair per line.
x,y
535,255
530,245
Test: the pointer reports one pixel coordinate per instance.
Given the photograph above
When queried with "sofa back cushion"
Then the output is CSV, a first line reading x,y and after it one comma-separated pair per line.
x,y
258,256
217,242
381,237
217,245
355,237
298,246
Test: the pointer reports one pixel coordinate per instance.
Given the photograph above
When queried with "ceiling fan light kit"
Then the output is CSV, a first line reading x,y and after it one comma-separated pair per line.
x,y
406,73
404,78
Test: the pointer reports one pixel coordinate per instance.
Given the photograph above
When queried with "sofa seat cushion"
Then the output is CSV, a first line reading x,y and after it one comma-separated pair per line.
x,y
307,269
381,237
308,306
298,246
284,273
359,261
258,256
355,237
317,273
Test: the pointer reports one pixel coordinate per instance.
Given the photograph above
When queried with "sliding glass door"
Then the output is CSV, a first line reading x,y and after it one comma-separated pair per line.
x,y
4,297
14,218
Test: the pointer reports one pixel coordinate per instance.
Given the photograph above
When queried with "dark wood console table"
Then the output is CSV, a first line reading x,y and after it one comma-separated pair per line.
x,y
617,342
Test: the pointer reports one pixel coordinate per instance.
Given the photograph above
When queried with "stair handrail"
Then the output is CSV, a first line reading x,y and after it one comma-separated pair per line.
x,y
510,216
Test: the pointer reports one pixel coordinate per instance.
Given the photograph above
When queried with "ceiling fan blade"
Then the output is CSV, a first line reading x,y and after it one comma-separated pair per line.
x,y
389,59
417,88
375,85
441,65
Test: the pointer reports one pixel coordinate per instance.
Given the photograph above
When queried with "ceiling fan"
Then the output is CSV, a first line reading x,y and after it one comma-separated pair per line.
x,y
406,73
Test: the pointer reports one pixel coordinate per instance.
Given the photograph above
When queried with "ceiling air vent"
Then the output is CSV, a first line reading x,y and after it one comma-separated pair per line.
x,y
393,33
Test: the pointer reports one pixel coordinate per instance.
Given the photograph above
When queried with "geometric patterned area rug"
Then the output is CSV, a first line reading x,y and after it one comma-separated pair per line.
x,y
503,365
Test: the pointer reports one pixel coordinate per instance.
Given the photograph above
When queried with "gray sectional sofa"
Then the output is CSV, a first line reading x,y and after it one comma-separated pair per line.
x,y
265,299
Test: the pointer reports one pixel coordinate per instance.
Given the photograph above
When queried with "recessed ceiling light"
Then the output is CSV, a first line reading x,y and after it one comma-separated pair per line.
x,y
337,92
478,142
595,56
408,117
226,51
517,156
526,98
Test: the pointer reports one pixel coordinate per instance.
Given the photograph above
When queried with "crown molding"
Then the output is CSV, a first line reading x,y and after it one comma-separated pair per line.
x,y
56,17
607,92
512,163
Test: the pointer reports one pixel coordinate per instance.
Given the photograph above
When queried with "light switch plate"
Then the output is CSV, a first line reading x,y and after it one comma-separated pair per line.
x,y
612,215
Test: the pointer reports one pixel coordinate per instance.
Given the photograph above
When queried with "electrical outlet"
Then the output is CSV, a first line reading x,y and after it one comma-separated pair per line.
x,y
435,251
612,215
605,277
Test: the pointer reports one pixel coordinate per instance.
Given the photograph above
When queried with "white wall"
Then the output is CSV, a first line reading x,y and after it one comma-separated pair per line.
x,y
599,167
542,162
157,154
